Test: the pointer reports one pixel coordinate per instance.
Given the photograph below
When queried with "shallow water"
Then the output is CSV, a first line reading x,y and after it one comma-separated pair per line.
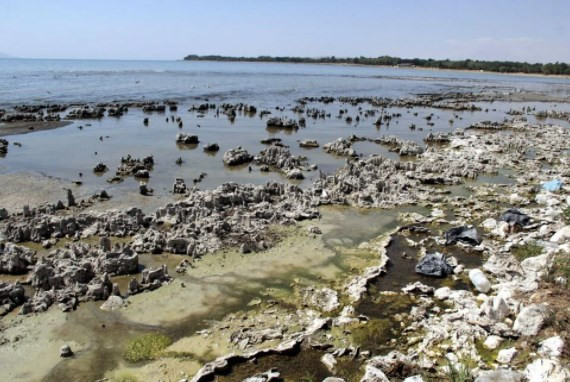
x,y
65,152
214,289
28,80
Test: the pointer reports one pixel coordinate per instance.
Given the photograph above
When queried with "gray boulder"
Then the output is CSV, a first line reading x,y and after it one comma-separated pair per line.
x,y
434,265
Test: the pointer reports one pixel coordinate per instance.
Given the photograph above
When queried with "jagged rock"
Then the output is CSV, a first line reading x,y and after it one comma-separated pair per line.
x,y
281,159
113,303
329,361
418,287
373,374
100,167
552,347
282,123
187,139
340,147
272,375
295,174
144,189
530,320
134,166
70,198
11,296
15,259
314,229
546,370
493,342
118,263
505,356
237,156
434,265
562,235
86,113
179,187
3,146
212,147
309,143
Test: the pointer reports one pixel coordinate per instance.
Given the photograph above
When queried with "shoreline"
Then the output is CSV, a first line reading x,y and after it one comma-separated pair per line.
x,y
23,127
521,74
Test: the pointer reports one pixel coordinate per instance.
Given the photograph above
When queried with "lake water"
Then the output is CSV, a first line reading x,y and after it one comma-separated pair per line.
x,y
27,80
65,152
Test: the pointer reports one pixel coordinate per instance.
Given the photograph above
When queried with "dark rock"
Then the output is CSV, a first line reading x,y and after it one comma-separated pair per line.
x,y
434,265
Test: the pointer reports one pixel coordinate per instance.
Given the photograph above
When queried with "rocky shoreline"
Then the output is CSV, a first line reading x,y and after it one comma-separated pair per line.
x,y
508,321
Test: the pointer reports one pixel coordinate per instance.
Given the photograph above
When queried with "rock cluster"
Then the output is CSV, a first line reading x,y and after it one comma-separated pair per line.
x,y
403,148
340,147
15,259
282,123
136,167
231,215
86,113
281,159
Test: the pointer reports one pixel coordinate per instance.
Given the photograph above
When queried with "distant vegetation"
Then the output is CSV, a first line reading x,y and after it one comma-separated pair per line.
x,y
491,66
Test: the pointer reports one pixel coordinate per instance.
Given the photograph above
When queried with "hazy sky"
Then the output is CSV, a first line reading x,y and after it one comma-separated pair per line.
x,y
522,30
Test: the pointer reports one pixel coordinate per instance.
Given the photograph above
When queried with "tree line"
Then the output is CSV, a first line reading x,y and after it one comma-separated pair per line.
x,y
490,66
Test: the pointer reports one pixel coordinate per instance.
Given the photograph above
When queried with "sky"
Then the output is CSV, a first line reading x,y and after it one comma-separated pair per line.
x,y
519,30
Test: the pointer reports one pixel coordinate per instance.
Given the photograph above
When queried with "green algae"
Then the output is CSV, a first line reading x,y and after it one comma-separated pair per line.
x,y
146,347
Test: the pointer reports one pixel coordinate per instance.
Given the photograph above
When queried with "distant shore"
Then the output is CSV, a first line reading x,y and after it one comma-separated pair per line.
x,y
484,66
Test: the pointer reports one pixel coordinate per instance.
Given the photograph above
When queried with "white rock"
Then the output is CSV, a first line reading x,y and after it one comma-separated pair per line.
x,y
562,235
530,320
373,374
547,199
551,347
564,248
492,342
113,303
415,378
502,230
480,281
500,376
437,213
333,379
442,293
489,224
535,266
516,199
505,356
546,370
329,361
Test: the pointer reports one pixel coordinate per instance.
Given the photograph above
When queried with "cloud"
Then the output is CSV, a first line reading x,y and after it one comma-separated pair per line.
x,y
513,48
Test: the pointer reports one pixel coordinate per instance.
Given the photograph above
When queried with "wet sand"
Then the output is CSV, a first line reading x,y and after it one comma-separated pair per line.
x,y
17,128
